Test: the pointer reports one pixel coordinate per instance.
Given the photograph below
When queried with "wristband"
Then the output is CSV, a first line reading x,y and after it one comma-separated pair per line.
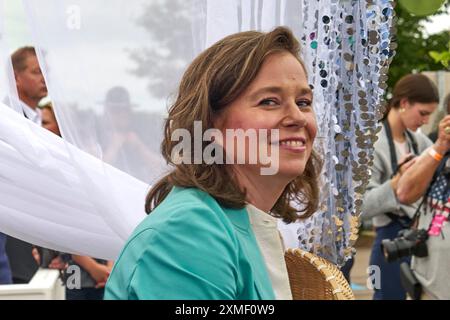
x,y
435,155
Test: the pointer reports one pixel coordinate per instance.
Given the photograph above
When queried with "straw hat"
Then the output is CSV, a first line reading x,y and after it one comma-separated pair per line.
x,y
118,97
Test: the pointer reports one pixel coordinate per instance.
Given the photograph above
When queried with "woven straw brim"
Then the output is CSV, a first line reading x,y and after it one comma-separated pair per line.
x,y
314,278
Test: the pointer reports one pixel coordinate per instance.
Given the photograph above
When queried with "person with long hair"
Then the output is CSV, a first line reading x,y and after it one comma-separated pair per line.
x,y
414,99
211,232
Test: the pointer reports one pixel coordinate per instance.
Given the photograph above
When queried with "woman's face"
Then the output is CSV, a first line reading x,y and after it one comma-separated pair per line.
x,y
416,114
279,98
49,121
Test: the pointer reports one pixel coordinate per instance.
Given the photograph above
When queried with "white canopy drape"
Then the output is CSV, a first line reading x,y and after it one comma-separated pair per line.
x,y
112,67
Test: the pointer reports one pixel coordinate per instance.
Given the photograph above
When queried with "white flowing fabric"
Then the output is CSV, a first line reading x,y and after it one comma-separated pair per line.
x,y
348,49
44,200
112,67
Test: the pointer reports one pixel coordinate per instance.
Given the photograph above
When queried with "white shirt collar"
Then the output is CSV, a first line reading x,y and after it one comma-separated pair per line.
x,y
33,115
270,243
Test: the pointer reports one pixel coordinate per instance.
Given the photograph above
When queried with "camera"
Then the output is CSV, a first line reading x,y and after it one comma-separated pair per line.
x,y
409,242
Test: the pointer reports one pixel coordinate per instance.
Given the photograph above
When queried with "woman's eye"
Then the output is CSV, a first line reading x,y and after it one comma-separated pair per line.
x,y
304,103
269,102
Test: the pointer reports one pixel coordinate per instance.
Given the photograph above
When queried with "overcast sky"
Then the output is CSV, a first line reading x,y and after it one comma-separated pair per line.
x,y
122,31
113,31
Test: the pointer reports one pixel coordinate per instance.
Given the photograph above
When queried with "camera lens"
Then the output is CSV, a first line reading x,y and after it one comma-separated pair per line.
x,y
410,242
390,250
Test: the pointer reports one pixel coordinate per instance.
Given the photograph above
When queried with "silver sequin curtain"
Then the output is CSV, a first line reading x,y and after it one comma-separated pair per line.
x,y
348,48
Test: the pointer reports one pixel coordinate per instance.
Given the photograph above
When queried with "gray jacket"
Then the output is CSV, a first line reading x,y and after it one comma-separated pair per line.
x,y
379,197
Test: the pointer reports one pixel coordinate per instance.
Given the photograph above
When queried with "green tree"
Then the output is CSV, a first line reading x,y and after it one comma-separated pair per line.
x,y
442,57
414,46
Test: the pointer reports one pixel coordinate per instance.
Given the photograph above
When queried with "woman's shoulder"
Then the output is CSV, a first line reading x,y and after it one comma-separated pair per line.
x,y
381,141
185,211
185,204
186,232
381,148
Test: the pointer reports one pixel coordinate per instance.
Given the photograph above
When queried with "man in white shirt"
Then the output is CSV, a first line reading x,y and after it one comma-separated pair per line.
x,y
31,88
30,82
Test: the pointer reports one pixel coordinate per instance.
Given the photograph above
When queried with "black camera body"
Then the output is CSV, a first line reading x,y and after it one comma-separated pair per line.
x,y
409,242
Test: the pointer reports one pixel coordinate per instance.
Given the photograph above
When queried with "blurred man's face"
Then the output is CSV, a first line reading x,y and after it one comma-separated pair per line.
x,y
30,81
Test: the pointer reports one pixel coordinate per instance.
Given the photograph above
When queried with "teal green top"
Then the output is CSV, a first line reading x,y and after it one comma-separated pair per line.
x,y
190,247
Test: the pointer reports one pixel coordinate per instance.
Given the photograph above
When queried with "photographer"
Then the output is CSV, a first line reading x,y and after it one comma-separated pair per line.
x,y
429,177
414,99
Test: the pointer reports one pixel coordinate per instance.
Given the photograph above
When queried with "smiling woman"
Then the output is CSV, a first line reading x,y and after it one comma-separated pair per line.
x,y
277,99
212,231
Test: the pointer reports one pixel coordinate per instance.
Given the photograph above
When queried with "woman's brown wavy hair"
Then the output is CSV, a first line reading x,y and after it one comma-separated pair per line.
x,y
415,88
213,80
